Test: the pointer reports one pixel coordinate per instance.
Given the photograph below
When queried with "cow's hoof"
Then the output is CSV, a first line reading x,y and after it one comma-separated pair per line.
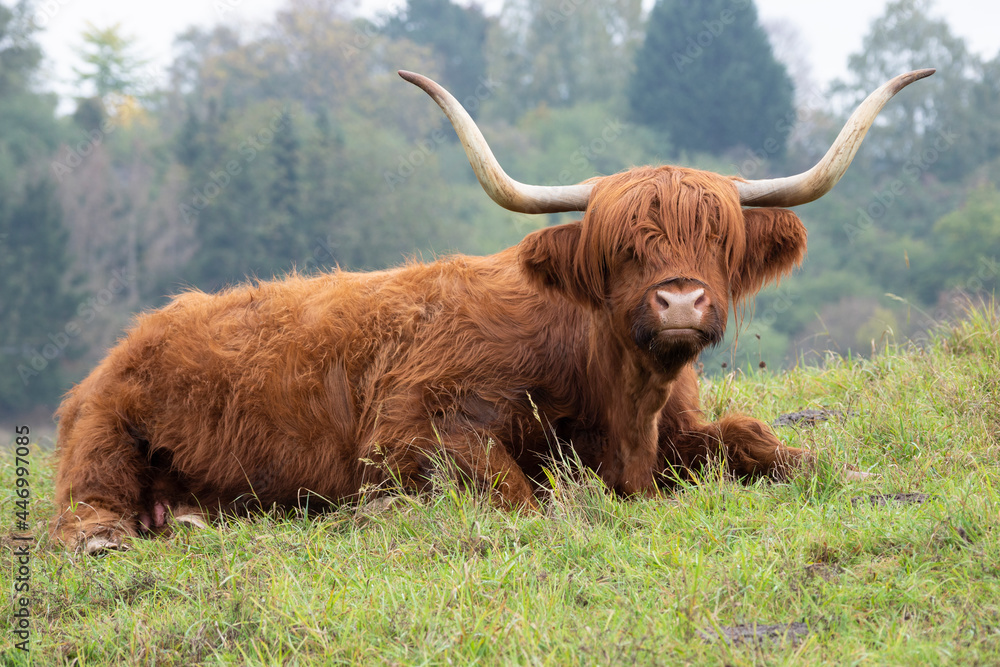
x,y
99,545
191,520
852,475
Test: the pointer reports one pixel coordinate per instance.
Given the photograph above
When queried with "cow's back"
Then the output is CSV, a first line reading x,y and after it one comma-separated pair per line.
x,y
278,386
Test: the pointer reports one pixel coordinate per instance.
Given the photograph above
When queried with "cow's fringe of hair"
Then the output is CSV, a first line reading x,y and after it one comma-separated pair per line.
x,y
640,211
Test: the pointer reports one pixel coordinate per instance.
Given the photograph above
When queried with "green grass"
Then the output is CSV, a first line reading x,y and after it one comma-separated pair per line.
x,y
445,579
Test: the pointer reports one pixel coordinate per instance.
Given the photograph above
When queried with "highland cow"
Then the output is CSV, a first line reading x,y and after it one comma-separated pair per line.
x,y
583,335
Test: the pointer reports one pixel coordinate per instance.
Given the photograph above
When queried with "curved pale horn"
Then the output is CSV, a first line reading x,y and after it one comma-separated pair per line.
x,y
813,184
503,189
788,191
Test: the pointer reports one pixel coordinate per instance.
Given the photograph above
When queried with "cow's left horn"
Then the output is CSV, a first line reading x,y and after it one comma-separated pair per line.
x,y
787,191
813,184
503,189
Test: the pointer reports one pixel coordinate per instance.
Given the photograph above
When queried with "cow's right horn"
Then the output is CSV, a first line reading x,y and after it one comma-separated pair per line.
x,y
503,189
813,184
787,191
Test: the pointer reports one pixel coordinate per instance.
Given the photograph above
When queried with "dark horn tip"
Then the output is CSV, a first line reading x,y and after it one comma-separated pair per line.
x,y
903,80
418,80
917,74
421,81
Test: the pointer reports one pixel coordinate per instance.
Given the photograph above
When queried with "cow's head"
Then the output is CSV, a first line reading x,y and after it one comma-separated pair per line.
x,y
666,250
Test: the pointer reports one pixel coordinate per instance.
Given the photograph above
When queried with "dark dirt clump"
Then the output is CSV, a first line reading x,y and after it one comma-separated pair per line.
x,y
884,499
754,633
809,417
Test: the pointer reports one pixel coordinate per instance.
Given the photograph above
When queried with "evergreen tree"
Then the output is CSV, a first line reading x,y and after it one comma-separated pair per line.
x,y
285,187
969,243
19,54
36,304
949,116
38,320
707,77
112,69
556,53
985,101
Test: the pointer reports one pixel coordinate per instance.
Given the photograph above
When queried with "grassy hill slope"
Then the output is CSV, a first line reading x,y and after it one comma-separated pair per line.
x,y
912,578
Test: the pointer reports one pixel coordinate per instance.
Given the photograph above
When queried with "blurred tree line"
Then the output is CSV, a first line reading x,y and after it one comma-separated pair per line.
x,y
295,147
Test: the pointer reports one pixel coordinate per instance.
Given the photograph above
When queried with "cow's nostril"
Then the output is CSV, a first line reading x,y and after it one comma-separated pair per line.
x,y
661,301
702,302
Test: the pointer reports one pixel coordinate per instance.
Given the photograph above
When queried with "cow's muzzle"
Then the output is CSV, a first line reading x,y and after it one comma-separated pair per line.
x,y
680,308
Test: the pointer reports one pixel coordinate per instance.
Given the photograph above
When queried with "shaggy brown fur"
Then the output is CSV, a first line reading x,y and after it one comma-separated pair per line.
x,y
265,392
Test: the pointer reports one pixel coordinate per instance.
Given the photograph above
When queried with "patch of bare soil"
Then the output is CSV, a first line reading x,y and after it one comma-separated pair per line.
x,y
753,633
809,417
884,499
824,571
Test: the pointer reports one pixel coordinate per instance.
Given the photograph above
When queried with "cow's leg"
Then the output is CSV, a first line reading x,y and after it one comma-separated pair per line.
x,y
753,451
92,528
478,457
496,471
100,482
170,502
631,468
748,447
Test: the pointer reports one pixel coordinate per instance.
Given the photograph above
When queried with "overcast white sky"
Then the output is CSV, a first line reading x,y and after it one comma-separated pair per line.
x,y
830,30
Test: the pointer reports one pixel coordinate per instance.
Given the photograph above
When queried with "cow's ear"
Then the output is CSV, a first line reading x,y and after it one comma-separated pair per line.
x,y
776,243
550,258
